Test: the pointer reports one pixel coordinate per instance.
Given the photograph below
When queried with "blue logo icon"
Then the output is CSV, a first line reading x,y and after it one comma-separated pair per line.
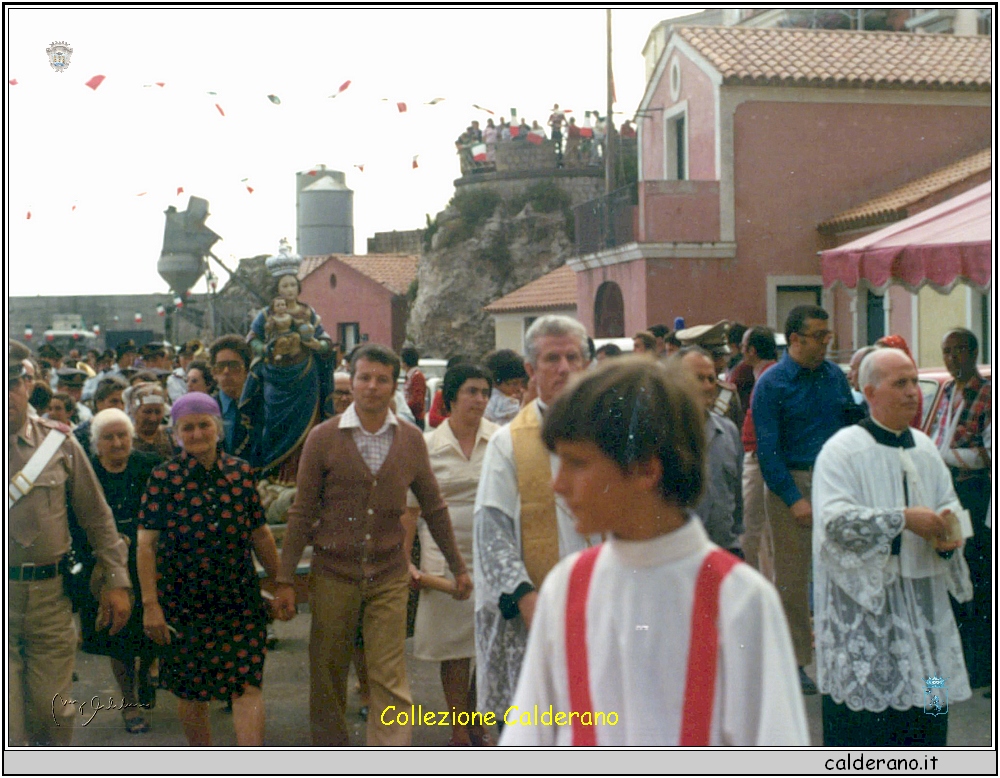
x,y
935,696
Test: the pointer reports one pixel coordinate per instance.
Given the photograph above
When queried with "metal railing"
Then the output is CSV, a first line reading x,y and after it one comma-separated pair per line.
x,y
607,221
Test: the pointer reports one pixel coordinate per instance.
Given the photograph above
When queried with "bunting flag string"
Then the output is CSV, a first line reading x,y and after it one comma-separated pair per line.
x,y
401,107
342,87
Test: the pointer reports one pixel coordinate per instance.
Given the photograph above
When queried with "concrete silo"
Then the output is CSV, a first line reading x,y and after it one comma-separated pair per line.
x,y
324,209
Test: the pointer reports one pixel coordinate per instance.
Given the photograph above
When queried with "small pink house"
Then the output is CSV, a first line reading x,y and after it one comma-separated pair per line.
x,y
751,138
360,298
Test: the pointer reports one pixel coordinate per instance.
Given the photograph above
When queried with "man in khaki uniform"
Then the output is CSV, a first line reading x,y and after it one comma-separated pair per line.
x,y
712,338
41,637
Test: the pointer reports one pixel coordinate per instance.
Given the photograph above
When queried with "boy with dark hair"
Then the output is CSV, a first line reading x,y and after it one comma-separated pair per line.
x,y
656,637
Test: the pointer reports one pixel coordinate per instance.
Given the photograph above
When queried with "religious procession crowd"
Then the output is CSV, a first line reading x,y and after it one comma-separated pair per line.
x,y
640,550
584,144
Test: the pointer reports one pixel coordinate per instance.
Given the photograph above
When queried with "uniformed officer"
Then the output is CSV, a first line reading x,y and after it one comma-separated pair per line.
x,y
125,354
712,338
71,381
50,359
41,636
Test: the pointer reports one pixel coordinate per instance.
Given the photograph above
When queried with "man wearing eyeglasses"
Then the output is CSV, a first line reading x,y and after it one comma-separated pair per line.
x,y
231,357
797,406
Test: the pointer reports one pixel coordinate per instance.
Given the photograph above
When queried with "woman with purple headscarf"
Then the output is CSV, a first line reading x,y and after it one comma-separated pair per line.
x,y
199,521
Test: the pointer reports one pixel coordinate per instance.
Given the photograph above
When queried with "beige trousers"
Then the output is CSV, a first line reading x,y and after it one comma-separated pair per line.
x,y
335,605
41,652
756,540
793,565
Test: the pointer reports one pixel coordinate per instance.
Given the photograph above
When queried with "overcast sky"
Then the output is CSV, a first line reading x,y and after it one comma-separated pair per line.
x,y
79,159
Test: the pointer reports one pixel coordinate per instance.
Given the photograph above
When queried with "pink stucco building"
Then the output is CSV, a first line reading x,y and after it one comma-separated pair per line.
x,y
749,140
360,298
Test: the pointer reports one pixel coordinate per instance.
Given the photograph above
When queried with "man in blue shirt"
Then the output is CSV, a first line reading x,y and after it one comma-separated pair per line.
x,y
231,357
797,406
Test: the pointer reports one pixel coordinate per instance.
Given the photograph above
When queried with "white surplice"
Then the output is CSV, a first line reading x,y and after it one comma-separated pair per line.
x,y
638,630
883,621
499,569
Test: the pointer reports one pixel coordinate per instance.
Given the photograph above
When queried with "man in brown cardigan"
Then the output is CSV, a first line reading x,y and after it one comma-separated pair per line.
x,y
352,482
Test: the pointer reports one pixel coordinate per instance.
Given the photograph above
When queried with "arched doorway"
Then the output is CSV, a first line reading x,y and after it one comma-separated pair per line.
x,y
609,311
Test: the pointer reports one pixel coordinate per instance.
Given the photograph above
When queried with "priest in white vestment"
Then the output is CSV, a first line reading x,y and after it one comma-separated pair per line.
x,y
886,536
640,651
514,549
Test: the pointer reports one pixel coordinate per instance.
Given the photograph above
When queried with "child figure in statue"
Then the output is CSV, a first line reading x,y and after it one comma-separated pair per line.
x,y
281,340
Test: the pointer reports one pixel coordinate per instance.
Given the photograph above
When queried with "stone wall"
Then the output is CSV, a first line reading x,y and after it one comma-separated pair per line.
x,y
580,185
396,242
41,311
520,156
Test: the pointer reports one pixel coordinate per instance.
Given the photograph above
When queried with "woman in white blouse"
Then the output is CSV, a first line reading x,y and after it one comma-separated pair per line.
x,y
444,629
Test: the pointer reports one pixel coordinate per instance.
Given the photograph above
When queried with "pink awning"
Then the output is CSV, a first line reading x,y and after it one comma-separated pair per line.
x,y
944,245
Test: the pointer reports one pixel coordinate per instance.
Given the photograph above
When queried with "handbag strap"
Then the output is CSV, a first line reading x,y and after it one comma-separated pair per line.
x,y
23,482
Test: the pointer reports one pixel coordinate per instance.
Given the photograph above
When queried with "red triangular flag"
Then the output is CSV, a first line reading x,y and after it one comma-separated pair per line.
x,y
249,189
344,86
220,109
415,165
160,83
360,167
13,82
29,215
180,189
311,173
95,82
73,208
401,107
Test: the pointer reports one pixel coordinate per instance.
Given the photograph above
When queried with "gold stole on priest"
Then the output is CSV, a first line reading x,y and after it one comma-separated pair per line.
x,y
539,526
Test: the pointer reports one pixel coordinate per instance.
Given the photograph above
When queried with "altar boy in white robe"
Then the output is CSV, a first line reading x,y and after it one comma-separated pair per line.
x,y
657,637
887,526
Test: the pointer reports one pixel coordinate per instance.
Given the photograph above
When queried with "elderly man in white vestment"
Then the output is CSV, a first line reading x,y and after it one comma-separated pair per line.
x,y
885,538
520,528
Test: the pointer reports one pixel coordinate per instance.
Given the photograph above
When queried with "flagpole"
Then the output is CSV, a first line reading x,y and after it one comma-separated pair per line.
x,y
609,146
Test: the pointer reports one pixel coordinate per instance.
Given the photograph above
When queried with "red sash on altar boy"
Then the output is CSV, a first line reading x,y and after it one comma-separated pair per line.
x,y
703,651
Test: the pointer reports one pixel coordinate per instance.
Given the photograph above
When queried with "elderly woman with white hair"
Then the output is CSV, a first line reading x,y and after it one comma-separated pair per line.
x,y
122,473
199,521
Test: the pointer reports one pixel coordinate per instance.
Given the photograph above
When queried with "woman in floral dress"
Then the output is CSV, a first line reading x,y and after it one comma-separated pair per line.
x,y
200,519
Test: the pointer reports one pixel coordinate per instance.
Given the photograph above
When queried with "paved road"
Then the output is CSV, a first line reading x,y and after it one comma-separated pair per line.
x,y
286,680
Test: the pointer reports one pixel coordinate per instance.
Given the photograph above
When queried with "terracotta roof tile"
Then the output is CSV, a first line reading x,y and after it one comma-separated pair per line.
x,y
553,290
894,205
798,57
394,271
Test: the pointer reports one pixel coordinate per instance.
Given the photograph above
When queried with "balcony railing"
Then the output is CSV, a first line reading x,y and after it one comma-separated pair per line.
x,y
606,222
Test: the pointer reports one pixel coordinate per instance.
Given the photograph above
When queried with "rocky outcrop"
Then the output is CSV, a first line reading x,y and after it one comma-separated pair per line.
x,y
482,248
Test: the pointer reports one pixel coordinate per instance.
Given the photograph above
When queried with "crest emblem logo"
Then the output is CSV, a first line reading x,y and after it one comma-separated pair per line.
x,y
935,696
59,55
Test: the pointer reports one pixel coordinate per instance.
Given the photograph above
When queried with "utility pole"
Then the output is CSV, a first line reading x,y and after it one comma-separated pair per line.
x,y
609,126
